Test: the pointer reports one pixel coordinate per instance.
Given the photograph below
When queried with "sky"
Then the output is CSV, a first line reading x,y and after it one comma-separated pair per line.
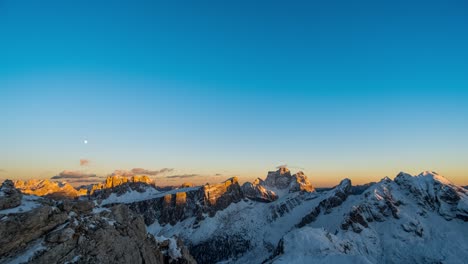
x,y
214,89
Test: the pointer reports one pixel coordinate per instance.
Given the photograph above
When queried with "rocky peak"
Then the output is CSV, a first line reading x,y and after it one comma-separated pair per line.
x,y
278,179
48,188
222,192
282,179
10,197
300,183
255,191
115,181
179,204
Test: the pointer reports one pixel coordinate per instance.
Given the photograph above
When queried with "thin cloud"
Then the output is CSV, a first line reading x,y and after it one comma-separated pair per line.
x,y
291,167
66,174
151,172
84,181
218,174
182,176
141,171
124,173
84,162
2,170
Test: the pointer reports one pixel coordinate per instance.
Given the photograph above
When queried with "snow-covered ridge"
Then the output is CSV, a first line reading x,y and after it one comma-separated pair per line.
x,y
132,196
338,225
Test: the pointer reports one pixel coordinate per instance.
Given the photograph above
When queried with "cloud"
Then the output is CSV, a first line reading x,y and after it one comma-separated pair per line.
x,y
2,170
124,173
290,167
66,174
140,171
282,166
182,176
84,162
150,172
84,181
218,174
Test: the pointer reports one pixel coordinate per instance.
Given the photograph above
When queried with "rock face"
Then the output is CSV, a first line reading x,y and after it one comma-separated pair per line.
x,y
116,181
9,196
69,231
300,182
334,199
220,196
181,204
380,204
257,192
282,179
48,188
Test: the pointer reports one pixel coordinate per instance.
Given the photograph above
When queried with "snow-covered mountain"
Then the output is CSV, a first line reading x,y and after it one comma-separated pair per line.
x,y
283,219
402,220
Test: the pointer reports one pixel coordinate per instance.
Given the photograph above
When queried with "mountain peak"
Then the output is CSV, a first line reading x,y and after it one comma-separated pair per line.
x,y
47,187
434,176
282,179
425,176
283,170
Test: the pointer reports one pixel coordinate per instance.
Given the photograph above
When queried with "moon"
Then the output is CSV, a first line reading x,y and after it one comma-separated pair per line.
x,y
85,141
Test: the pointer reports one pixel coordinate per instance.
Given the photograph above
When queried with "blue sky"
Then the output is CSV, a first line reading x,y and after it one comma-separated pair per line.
x,y
339,89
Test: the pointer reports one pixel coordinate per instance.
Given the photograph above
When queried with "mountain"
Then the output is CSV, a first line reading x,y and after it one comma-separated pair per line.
x,y
283,219
117,180
39,230
48,188
275,223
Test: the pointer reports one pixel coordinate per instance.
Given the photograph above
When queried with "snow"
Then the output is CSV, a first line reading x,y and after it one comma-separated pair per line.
x,y
135,196
28,202
315,245
324,241
98,210
131,196
29,253
74,260
174,250
248,219
430,175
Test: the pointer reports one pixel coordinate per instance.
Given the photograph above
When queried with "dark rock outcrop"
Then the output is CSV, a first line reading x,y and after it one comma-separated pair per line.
x,y
220,248
10,197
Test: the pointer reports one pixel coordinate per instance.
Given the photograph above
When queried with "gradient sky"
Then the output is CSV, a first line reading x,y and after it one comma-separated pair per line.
x,y
359,89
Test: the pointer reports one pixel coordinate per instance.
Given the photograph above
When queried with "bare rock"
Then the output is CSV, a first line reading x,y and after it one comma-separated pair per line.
x,y
10,197
255,191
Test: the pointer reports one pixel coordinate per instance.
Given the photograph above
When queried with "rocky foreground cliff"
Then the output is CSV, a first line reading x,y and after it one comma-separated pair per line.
x,y
39,230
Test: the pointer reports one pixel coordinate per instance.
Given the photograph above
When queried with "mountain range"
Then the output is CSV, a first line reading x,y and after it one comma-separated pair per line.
x,y
279,219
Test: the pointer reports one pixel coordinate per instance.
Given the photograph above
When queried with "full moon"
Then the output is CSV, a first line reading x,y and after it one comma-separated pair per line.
x,y
85,141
